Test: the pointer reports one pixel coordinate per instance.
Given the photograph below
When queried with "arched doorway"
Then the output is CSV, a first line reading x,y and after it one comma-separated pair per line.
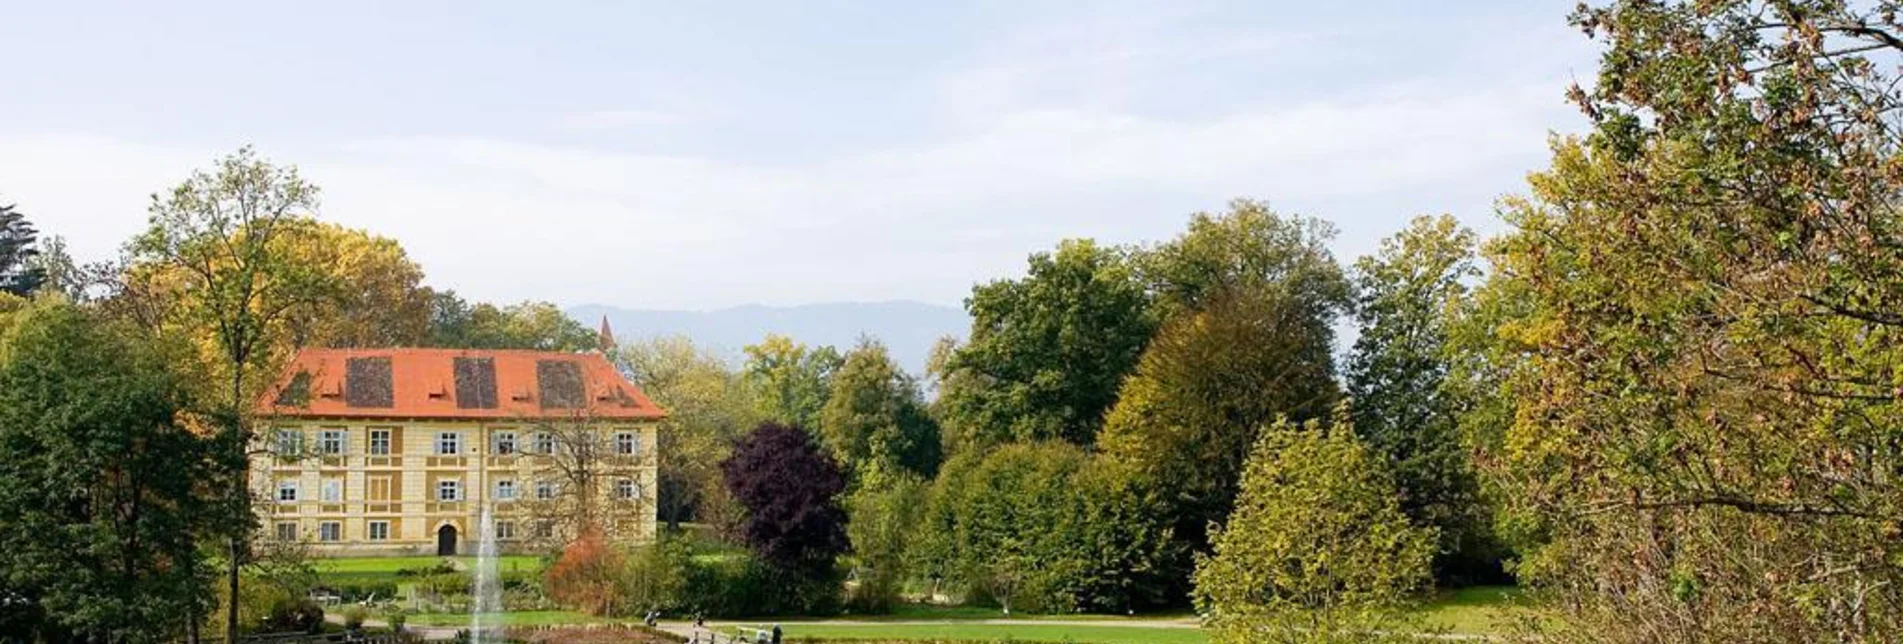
x,y
446,541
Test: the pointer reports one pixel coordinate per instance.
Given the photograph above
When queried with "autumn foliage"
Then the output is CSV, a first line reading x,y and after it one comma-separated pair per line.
x,y
586,575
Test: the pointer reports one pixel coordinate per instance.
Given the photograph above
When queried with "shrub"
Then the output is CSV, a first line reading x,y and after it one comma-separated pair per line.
x,y
1046,528
354,616
364,590
587,575
657,575
883,520
396,618
1317,548
295,615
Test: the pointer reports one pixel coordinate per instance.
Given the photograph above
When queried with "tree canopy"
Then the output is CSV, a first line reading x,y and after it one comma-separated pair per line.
x,y
791,490
1704,363
1409,294
874,421
19,275
791,380
1047,351
105,485
539,326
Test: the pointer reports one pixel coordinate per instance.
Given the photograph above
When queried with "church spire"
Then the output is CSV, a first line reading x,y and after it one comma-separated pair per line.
x,y
607,338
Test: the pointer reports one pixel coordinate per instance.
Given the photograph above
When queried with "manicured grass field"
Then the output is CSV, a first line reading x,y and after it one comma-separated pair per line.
x,y
921,612
998,632
369,570
517,618
393,564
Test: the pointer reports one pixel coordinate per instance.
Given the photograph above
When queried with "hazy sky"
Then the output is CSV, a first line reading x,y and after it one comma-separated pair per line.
x,y
695,155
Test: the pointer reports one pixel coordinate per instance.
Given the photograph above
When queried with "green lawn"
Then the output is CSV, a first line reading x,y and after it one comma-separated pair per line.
x,y
917,612
392,564
1480,610
379,570
998,632
517,618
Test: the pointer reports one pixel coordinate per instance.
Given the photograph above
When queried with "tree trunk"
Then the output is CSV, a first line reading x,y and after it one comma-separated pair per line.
x,y
241,482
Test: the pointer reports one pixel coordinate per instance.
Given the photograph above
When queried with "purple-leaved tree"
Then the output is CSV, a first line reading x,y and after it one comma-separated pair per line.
x,y
790,488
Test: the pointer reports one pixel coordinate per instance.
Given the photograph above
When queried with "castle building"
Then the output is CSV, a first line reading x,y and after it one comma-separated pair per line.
x,y
401,451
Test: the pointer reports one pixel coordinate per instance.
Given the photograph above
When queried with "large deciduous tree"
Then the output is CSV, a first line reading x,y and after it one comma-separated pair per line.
x,y
220,237
1047,351
708,407
791,380
1248,249
1208,385
1705,365
1409,294
540,326
106,490
874,421
791,491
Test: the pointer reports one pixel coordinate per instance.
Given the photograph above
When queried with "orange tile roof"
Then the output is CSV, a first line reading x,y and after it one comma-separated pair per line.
x,y
426,383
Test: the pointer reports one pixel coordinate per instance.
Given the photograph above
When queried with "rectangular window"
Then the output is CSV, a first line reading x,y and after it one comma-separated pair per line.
x,y
287,531
380,442
290,443
330,531
505,529
379,530
627,489
544,443
380,488
544,529
627,444
449,490
330,442
287,491
332,491
449,443
544,490
505,490
504,443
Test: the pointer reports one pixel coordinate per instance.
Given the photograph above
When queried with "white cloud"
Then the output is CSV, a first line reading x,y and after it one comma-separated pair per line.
x,y
510,220
597,120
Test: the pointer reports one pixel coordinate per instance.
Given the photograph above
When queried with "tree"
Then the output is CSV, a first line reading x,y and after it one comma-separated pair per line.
x,y
791,380
220,232
378,299
1046,352
791,489
1704,359
62,273
102,485
1317,549
883,522
709,406
539,326
597,489
19,276
1044,527
1403,408
1249,249
874,421
1209,384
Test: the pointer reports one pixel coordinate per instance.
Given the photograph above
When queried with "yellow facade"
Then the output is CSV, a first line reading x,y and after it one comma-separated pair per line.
x,y
357,487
